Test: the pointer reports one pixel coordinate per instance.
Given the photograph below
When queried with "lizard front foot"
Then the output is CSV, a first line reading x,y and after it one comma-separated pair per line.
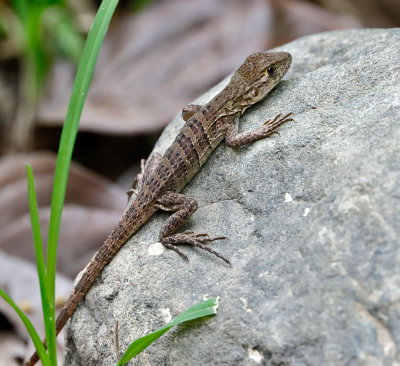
x,y
277,121
196,240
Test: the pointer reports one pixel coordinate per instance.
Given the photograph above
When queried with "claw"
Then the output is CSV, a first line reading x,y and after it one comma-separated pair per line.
x,y
131,192
206,240
200,235
142,165
277,117
212,251
190,238
174,248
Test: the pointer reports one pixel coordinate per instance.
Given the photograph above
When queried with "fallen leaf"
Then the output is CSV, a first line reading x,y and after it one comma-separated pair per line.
x,y
152,64
93,207
19,279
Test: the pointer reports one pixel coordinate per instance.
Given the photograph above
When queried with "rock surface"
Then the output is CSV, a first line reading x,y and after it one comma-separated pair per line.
x,y
312,216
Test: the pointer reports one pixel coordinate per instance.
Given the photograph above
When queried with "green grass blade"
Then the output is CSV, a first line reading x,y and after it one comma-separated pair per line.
x,y
201,309
22,8
68,136
37,240
44,357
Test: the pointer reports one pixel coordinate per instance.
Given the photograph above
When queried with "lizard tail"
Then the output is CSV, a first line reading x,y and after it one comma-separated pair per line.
x,y
128,225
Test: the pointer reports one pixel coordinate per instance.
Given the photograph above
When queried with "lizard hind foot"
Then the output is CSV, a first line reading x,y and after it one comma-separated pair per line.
x,y
190,238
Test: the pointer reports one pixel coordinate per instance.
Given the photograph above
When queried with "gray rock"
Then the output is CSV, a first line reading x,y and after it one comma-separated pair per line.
x,y
312,216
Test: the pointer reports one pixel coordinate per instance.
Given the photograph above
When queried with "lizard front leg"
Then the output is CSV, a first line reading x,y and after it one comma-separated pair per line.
x,y
235,139
184,207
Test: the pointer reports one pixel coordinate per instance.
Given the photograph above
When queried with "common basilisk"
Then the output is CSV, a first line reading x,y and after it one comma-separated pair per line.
x,y
164,176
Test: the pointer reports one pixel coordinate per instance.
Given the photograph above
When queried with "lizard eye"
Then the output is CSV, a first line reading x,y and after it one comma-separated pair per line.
x,y
254,91
270,71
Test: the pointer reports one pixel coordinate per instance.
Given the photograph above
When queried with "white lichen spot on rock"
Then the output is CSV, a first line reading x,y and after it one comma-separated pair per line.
x,y
166,314
288,197
156,249
255,355
306,211
103,329
245,305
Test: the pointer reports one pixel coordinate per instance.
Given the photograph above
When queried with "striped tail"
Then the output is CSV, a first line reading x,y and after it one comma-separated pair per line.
x,y
133,219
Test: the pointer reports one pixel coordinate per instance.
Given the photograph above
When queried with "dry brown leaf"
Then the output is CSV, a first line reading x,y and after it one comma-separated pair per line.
x,y
372,13
83,231
152,64
296,18
7,107
19,279
84,186
12,349
93,207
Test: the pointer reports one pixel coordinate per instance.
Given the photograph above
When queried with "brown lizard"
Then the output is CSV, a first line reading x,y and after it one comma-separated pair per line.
x,y
163,177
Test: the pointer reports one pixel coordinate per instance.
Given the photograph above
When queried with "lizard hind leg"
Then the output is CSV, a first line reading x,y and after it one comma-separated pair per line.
x,y
146,170
183,208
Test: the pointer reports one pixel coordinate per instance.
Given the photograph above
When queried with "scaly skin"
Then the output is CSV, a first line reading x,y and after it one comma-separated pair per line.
x,y
165,176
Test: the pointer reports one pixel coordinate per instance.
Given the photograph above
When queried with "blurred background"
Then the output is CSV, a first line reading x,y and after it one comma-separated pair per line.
x,y
157,56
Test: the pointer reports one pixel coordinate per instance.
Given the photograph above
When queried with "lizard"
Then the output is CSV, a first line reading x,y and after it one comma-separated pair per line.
x,y
162,178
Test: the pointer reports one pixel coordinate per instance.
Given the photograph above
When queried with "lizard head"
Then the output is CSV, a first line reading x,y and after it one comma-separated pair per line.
x,y
260,73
